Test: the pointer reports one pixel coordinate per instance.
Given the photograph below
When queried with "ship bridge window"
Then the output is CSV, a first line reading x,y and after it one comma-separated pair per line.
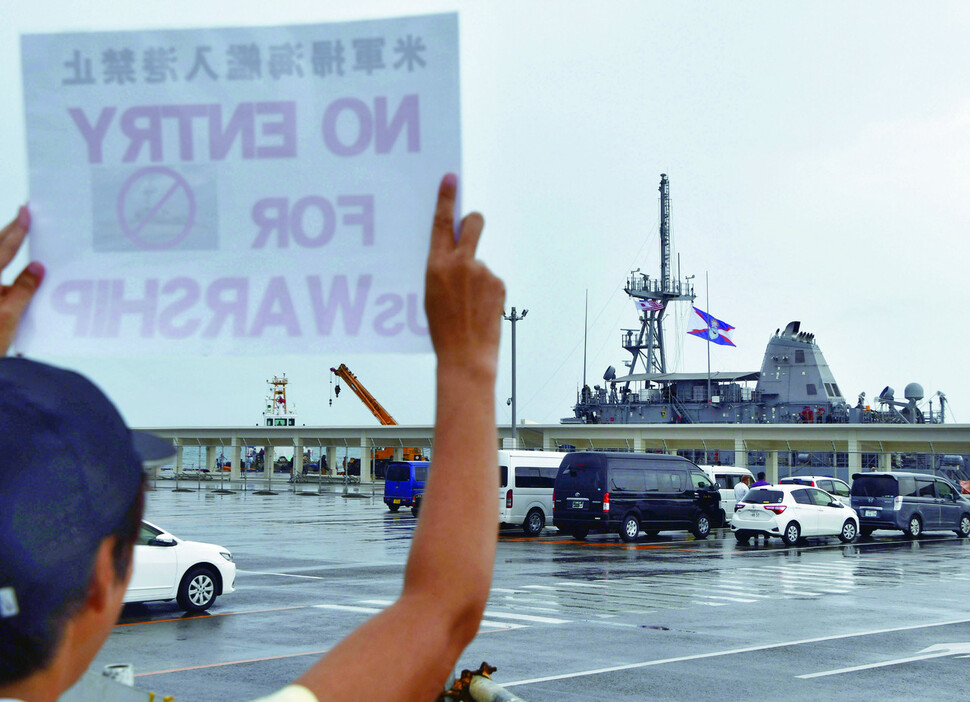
x,y
838,393
810,389
828,390
799,356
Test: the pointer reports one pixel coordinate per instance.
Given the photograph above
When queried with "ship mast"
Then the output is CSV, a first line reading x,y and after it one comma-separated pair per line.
x,y
647,345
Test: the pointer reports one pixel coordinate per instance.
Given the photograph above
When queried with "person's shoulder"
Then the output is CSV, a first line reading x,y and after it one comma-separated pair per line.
x,y
290,693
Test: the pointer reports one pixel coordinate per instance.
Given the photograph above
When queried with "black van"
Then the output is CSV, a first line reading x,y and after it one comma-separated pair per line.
x,y
630,492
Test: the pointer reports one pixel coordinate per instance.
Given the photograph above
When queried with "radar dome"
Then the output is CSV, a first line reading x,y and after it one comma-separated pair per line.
x,y
913,391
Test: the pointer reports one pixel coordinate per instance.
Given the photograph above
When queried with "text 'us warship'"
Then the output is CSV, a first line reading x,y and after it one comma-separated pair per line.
x,y
794,385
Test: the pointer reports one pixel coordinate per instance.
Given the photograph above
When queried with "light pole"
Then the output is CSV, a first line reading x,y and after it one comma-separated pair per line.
x,y
514,318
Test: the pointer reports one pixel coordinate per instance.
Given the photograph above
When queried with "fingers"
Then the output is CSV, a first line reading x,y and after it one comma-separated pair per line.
x,y
12,236
471,232
443,228
14,301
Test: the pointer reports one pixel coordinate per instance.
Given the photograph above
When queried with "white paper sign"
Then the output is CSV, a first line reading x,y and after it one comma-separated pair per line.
x,y
256,190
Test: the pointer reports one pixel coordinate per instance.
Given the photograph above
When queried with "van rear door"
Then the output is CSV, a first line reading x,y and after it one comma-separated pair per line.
x,y
580,483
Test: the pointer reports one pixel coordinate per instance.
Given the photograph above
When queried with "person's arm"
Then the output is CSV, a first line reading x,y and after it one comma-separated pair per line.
x,y
408,651
14,297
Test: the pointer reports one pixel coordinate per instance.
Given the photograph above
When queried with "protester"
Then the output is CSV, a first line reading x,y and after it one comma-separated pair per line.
x,y
65,547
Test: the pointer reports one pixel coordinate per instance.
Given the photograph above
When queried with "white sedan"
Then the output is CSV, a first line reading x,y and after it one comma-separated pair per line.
x,y
167,568
791,512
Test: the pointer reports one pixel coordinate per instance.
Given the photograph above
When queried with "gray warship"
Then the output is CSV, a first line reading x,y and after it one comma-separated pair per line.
x,y
794,384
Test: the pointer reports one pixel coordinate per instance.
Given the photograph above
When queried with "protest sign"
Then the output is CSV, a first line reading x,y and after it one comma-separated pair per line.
x,y
242,190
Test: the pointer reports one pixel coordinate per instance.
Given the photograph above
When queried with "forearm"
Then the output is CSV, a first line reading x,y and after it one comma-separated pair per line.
x,y
454,543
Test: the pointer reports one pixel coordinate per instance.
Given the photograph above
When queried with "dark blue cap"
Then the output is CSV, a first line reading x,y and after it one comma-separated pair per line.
x,y
70,470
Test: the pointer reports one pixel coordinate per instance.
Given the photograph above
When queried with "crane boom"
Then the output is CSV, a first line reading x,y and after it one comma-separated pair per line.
x,y
343,372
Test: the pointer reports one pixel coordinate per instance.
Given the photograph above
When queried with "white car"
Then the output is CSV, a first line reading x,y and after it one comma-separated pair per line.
x,y
833,486
791,512
168,568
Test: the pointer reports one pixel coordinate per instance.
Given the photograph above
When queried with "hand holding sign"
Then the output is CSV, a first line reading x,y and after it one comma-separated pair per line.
x,y
14,298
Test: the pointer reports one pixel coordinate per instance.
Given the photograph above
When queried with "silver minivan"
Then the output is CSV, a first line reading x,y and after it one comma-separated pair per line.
x,y
910,502
525,486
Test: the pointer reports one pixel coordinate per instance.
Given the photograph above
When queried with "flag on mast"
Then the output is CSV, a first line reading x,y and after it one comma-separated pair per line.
x,y
714,330
649,305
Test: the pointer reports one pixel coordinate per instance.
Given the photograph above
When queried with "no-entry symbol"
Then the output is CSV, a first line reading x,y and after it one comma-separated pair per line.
x,y
156,208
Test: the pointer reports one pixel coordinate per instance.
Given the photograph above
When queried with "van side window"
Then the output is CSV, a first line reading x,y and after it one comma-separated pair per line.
x,y
907,487
421,473
924,488
627,480
503,476
726,482
670,480
529,477
944,490
699,480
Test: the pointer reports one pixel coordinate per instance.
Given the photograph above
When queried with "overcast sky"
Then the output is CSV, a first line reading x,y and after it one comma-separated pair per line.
x,y
819,161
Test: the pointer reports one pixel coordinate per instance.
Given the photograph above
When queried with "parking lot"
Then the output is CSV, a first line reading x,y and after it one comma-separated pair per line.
x,y
666,618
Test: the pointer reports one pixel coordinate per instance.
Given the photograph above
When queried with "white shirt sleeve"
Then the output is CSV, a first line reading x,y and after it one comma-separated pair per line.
x,y
290,693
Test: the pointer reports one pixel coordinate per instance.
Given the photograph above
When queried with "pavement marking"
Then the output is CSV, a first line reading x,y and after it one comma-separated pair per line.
x,y
348,608
239,662
496,615
884,664
730,652
525,617
283,575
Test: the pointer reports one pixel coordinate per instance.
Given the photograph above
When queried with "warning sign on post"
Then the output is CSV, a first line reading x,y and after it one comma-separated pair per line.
x,y
245,190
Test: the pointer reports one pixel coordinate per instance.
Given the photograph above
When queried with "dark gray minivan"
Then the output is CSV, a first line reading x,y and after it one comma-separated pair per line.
x,y
911,502
628,493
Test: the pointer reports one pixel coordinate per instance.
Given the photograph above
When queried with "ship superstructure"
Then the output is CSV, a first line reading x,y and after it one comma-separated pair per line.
x,y
278,413
794,384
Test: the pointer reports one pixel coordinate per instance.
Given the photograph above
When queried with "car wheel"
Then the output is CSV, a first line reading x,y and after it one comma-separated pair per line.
x,y
630,529
743,537
197,591
534,522
579,534
702,526
394,508
964,529
849,532
791,533
915,527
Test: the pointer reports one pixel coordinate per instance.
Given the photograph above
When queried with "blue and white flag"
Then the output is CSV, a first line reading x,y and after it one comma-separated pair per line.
x,y
715,330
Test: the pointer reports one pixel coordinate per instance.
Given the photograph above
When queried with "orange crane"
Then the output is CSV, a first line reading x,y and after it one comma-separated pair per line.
x,y
381,456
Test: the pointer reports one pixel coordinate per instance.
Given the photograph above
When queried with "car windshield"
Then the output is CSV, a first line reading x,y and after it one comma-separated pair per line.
x,y
875,486
761,496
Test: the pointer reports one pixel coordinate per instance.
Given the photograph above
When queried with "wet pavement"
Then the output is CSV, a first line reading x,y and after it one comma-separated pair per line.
x,y
669,618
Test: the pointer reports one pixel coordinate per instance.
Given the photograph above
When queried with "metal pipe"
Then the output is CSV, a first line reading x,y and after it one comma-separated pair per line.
x,y
483,689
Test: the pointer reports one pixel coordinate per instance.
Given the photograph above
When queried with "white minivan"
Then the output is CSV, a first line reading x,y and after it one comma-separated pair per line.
x,y
525,488
726,478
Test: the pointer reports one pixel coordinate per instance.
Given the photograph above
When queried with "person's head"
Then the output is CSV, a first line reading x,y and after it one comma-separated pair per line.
x,y
746,479
71,490
761,475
